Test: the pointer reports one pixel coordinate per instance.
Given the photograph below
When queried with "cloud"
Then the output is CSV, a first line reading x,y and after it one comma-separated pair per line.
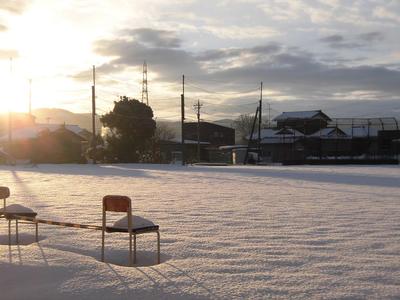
x,y
87,75
292,72
154,38
386,14
374,36
7,53
14,6
241,32
362,40
223,54
303,76
336,38
167,62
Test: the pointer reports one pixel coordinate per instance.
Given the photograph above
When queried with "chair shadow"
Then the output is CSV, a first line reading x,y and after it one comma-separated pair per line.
x,y
118,257
25,239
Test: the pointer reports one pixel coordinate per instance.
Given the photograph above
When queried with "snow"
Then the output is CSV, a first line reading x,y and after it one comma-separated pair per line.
x,y
137,221
235,232
298,115
16,208
178,141
278,136
361,132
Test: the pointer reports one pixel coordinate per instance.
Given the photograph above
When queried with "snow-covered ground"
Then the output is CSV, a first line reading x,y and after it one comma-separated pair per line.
x,y
226,233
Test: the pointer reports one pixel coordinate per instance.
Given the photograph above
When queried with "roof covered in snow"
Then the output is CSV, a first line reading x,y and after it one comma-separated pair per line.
x,y
178,141
274,136
330,132
361,131
310,114
33,131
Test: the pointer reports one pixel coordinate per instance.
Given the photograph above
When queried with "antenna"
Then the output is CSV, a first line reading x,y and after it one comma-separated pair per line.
x,y
145,92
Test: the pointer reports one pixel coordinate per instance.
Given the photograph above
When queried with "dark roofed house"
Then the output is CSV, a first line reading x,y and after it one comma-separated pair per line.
x,y
307,122
212,136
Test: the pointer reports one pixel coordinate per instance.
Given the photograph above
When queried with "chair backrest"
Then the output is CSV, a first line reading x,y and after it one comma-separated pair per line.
x,y
4,192
116,203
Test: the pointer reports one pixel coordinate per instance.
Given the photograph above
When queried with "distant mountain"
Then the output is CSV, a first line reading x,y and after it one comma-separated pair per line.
x,y
175,126
60,116
83,120
224,122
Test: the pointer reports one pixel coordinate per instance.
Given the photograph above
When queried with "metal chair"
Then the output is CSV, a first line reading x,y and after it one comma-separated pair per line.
x,y
115,203
10,212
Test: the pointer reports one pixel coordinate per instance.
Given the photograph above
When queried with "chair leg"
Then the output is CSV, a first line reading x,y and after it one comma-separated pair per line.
x,y
134,248
37,232
158,248
16,232
130,249
102,245
9,232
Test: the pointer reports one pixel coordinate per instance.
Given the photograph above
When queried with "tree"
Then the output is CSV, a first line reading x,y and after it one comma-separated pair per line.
x,y
131,128
164,132
243,125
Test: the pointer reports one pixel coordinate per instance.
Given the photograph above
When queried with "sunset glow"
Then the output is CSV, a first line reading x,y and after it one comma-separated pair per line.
x,y
303,52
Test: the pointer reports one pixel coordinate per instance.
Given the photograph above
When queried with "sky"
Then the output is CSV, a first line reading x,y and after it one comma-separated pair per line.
x,y
341,56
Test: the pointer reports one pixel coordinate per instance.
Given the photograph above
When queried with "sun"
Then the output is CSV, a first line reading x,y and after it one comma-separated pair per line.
x,y
14,94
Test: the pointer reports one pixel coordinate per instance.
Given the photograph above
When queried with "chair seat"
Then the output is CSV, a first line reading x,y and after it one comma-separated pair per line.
x,y
139,225
17,210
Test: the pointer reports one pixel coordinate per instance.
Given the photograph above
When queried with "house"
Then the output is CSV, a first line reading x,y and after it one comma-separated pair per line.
x,y
214,134
46,143
280,144
312,135
211,136
306,122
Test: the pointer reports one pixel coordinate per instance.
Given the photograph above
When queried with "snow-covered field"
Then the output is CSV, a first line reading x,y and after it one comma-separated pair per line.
x,y
226,233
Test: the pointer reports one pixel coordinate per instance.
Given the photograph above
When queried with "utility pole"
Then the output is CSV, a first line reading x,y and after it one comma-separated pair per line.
x,y
30,97
145,92
246,157
197,107
9,109
259,124
269,115
94,114
183,119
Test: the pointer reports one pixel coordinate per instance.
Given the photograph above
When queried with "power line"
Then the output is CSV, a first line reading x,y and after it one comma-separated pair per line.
x,y
223,93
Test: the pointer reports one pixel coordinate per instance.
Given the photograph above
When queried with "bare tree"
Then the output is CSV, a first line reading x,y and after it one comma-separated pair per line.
x,y
243,125
164,132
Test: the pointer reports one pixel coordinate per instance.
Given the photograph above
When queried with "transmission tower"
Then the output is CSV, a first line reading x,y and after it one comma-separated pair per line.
x,y
145,92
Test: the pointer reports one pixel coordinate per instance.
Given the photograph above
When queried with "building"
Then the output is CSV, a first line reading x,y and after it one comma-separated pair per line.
x,y
45,143
211,137
313,137
214,134
306,122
